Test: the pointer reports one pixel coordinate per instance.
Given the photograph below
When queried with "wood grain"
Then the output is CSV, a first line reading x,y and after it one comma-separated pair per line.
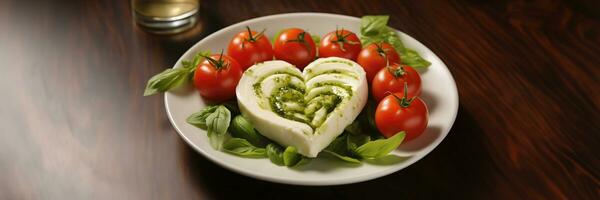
x,y
74,124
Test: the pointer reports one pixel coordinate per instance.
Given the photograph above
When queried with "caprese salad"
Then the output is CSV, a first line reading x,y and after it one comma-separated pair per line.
x,y
300,96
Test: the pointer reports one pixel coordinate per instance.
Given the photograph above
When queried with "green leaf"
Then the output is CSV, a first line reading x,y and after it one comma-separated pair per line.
x,y
242,128
338,148
217,124
367,120
276,36
241,147
233,107
338,145
380,148
199,119
174,77
412,58
373,25
275,154
374,29
284,157
316,39
353,141
354,128
342,157
192,64
166,80
291,157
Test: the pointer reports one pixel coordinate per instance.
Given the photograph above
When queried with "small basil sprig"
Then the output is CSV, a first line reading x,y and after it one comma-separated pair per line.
x,y
215,120
284,157
199,119
174,77
217,124
241,128
374,29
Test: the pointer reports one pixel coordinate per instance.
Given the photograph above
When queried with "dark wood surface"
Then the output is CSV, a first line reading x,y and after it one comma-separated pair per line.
x,y
74,124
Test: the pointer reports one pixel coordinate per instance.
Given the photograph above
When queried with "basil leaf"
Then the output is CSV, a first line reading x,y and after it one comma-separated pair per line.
x,y
284,157
241,128
368,116
412,58
354,128
275,154
217,124
373,25
233,107
353,141
316,39
374,29
174,77
291,157
380,148
276,36
343,158
241,147
338,148
192,64
199,119
338,145
166,80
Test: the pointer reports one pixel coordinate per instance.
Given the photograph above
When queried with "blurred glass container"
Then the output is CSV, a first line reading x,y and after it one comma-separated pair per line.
x,y
165,16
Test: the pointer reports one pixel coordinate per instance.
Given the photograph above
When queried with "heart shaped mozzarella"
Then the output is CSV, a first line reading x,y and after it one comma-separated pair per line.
x,y
307,110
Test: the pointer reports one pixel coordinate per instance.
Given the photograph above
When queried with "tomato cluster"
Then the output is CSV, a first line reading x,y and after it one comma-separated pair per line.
x,y
395,86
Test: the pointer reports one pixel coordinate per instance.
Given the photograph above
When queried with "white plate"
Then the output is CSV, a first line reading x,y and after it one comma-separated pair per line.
x,y
439,92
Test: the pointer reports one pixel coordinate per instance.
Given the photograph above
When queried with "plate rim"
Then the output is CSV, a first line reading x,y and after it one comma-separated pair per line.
x,y
339,181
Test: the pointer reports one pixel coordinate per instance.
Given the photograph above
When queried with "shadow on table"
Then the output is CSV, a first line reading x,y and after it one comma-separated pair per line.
x,y
459,166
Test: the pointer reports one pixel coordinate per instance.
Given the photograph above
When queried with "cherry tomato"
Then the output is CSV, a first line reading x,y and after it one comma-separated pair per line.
x,y
391,79
249,47
395,113
295,46
375,56
340,43
216,77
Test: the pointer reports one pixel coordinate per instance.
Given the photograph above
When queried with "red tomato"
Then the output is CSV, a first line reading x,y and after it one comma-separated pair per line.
x,y
249,47
395,114
391,79
340,43
375,57
295,46
216,77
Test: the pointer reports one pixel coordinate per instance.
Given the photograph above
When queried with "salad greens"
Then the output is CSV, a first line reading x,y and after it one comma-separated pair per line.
x,y
237,136
373,28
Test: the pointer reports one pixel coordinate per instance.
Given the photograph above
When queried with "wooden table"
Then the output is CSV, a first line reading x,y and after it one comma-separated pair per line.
x,y
74,124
